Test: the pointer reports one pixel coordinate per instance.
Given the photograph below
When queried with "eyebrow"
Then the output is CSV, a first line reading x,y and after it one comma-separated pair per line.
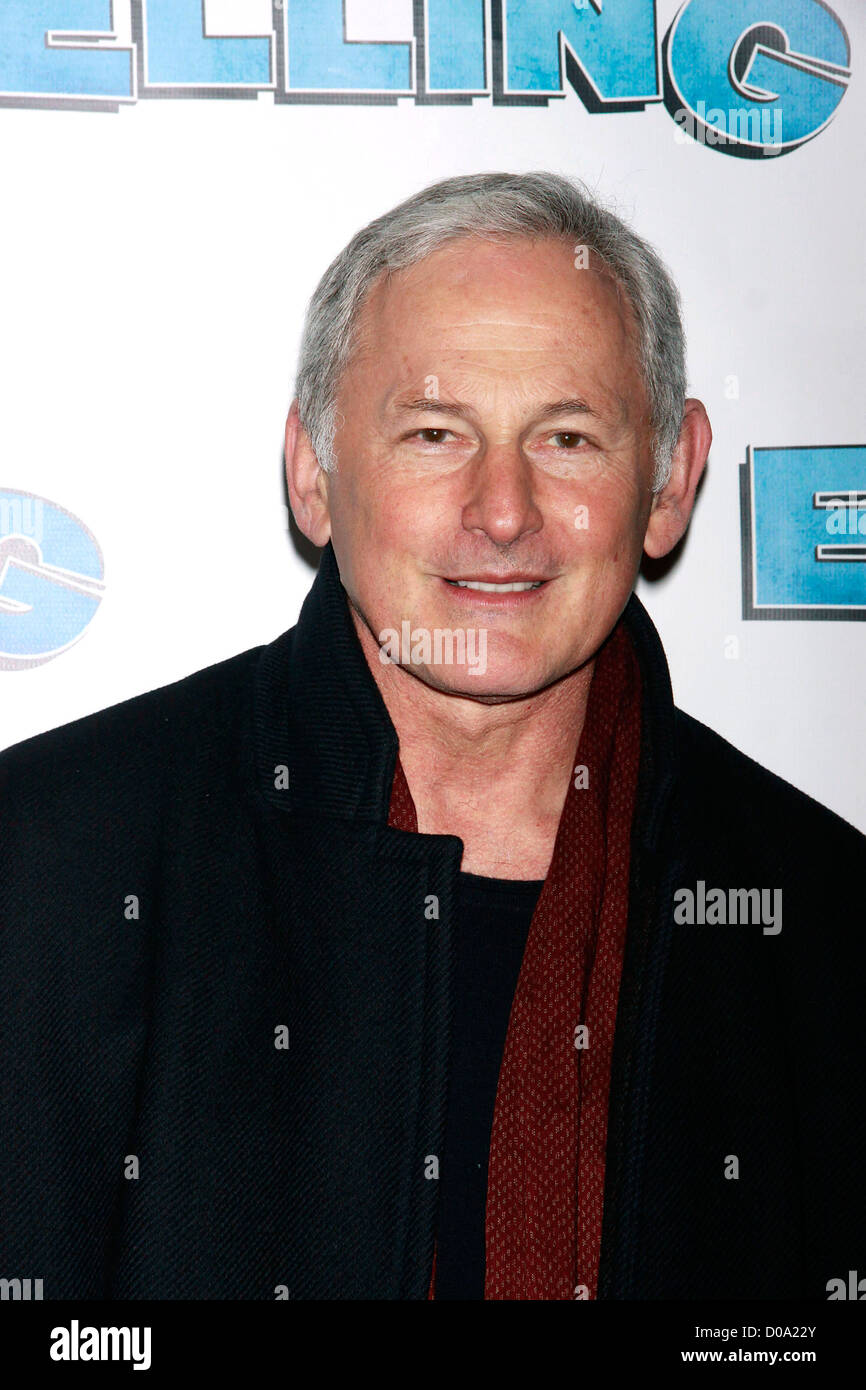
x,y
570,405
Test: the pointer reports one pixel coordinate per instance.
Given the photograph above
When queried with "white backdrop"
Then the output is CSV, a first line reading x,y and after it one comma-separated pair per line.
x,y
156,264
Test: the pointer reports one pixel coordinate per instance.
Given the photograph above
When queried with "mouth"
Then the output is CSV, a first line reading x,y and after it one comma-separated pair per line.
x,y
494,594
484,586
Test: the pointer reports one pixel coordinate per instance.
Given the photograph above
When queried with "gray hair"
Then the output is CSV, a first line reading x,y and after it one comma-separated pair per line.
x,y
493,205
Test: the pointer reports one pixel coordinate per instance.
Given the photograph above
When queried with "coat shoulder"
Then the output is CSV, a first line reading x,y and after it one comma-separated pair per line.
x,y
725,787
133,744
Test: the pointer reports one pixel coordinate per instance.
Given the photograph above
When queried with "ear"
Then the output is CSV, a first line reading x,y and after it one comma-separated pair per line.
x,y
672,506
307,482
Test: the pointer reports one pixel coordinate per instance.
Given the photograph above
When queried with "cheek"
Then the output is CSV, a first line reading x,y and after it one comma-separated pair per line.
x,y
404,519
362,509
613,533
385,535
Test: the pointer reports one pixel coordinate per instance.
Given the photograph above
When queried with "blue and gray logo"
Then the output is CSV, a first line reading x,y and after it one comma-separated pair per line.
x,y
755,77
803,520
51,580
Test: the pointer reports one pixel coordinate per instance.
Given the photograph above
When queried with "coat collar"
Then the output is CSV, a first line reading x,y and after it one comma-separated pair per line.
x,y
319,713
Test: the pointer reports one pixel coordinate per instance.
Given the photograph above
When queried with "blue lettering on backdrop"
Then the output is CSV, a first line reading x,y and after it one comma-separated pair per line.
x,y
614,47
319,59
785,60
179,54
454,44
748,77
804,532
31,65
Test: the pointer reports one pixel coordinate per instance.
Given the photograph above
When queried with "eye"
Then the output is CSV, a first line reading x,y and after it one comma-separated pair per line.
x,y
430,430
571,437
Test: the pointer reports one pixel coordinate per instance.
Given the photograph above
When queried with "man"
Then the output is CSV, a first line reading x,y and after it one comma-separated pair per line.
x,y
430,951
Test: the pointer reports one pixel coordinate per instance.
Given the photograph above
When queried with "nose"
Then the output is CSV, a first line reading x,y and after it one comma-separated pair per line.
x,y
501,501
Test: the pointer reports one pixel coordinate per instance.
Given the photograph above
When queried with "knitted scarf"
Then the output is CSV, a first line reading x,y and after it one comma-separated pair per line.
x,y
547,1150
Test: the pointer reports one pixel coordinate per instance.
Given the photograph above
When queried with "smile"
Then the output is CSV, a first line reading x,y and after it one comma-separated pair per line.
x,y
485,588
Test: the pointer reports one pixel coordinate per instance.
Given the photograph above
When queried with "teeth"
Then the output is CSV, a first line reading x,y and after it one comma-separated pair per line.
x,y
496,588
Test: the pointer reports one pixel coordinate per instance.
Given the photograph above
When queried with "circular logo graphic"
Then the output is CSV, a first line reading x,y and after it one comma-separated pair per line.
x,y
51,579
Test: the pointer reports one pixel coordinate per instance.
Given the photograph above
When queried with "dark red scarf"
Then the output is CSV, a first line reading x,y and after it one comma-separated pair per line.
x,y
547,1149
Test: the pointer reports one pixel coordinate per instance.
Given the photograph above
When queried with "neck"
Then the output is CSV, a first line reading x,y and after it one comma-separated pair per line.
x,y
496,775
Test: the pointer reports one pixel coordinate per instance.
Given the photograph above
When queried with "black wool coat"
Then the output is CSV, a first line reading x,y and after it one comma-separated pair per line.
x,y
172,914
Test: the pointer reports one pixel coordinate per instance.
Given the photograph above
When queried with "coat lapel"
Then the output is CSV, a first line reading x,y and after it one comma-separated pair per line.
x,y
656,865
361,915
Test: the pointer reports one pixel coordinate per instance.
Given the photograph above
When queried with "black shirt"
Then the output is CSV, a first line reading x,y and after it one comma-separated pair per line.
x,y
493,917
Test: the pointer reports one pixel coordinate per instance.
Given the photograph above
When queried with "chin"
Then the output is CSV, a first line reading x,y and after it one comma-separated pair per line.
x,y
492,686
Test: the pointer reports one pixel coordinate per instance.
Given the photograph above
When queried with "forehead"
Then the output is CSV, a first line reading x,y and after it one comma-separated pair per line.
x,y
515,295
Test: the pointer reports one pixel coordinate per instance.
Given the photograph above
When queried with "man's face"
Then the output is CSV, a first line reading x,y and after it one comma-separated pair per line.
x,y
493,427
